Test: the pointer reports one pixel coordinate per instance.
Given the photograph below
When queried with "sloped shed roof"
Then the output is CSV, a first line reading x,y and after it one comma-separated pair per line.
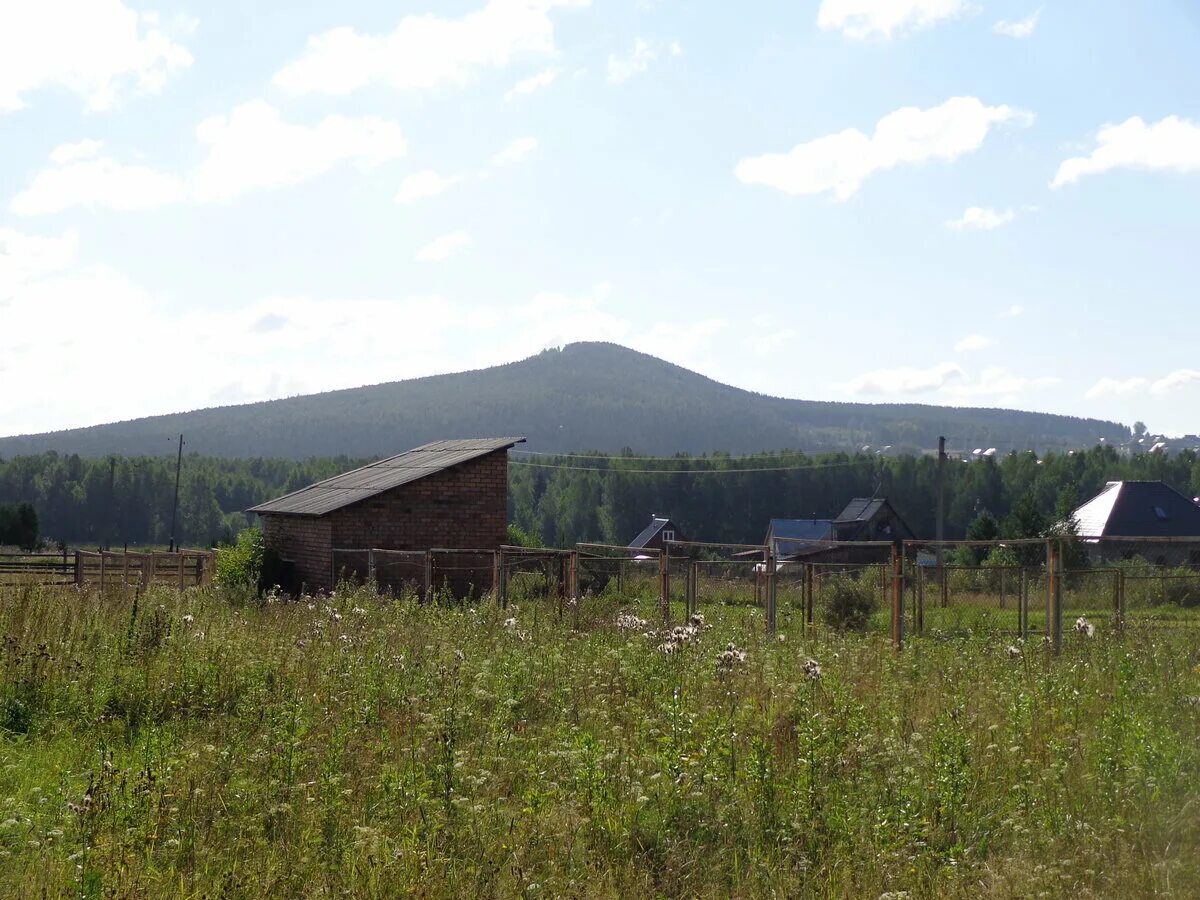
x,y
377,477
794,530
1138,509
861,509
657,524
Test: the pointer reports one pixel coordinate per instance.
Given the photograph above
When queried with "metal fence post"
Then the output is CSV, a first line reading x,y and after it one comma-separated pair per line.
x,y
1056,623
428,575
664,584
1121,599
897,598
809,587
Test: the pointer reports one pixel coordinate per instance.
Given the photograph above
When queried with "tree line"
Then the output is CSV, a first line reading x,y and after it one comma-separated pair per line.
x,y
558,500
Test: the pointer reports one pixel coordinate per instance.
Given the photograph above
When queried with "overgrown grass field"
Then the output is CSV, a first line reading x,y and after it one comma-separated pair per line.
x,y
198,744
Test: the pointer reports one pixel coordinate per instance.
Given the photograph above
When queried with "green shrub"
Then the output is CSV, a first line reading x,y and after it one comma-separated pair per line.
x,y
849,602
241,566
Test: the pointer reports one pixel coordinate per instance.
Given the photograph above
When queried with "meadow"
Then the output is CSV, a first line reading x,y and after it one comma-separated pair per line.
x,y
203,743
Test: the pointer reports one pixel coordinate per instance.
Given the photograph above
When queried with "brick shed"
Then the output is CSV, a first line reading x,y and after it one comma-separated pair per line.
x,y
447,494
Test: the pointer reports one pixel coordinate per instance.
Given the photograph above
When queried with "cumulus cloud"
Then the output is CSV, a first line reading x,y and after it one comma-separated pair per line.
x,y
1111,387
1169,145
1020,28
251,148
444,247
1180,378
515,151
97,49
426,183
861,19
542,79
996,381
972,342
424,51
981,218
840,163
903,380
96,182
624,66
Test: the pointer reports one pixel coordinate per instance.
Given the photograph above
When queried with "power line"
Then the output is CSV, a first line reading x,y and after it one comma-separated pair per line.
x,y
682,458
623,471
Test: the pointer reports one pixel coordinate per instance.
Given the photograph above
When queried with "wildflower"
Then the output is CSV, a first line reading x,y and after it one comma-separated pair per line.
x,y
1013,651
781,637
627,621
1084,627
696,620
729,657
188,619
510,622
358,610
812,669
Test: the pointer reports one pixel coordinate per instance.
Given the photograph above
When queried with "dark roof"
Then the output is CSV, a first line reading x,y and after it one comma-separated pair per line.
x,y
861,509
647,534
793,530
359,484
1138,509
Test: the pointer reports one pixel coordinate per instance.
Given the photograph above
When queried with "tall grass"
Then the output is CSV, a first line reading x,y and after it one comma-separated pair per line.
x,y
191,744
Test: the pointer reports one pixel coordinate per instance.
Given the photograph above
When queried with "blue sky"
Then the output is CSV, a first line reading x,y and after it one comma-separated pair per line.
x,y
941,201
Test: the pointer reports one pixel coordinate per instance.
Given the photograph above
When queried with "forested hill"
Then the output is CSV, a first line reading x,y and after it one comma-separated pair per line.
x,y
588,396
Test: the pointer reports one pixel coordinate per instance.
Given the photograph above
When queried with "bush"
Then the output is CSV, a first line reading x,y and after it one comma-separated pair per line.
x,y
241,566
850,602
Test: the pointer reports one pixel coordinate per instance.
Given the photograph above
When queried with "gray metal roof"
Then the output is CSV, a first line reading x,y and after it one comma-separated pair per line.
x,y
657,524
1138,509
359,484
861,509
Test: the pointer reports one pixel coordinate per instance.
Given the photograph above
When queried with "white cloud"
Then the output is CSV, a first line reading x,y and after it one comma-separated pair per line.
x,y
97,183
972,342
866,18
515,151
424,51
542,79
996,381
1180,378
1169,145
249,149
442,248
635,61
1019,29
1109,387
903,380
96,49
622,67
981,218
840,163
426,183
252,148
1013,311
25,258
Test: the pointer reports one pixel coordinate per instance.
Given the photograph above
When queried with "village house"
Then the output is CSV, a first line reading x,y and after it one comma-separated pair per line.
x,y
655,535
1145,509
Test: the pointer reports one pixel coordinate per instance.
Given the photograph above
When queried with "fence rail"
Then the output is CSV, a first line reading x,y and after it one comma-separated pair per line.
x,y
104,568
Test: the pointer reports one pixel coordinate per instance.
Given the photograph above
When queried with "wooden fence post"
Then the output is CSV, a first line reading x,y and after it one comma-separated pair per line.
x,y
573,587
771,612
1023,604
179,562
78,569
1054,623
897,598
664,585
693,605
809,589
428,575
102,570
371,570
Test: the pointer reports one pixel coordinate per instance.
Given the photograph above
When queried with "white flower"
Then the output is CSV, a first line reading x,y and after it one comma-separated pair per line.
x,y
1013,651
188,619
1084,627
627,621
812,669
729,657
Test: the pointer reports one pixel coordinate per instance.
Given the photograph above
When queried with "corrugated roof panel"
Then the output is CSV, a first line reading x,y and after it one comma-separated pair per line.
x,y
383,475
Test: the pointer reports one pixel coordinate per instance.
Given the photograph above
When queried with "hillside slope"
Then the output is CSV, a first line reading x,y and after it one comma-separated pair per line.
x,y
587,396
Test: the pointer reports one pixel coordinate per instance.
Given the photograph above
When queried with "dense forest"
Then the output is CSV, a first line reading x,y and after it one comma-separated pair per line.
x,y
563,499
589,396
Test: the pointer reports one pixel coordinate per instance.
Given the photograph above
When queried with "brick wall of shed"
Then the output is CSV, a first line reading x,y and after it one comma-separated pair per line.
x,y
303,541
462,507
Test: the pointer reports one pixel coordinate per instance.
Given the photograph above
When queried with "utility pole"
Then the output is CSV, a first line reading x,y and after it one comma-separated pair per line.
x,y
175,503
940,532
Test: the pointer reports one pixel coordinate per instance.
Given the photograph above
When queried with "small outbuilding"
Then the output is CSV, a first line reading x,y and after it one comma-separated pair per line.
x,y
446,494
655,535
1145,509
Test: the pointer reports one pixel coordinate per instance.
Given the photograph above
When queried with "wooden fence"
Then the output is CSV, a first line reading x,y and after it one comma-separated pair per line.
x,y
185,568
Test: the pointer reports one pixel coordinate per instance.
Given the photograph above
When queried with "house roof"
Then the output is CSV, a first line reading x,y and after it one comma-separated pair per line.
x,y
657,524
793,530
370,480
1138,509
861,509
